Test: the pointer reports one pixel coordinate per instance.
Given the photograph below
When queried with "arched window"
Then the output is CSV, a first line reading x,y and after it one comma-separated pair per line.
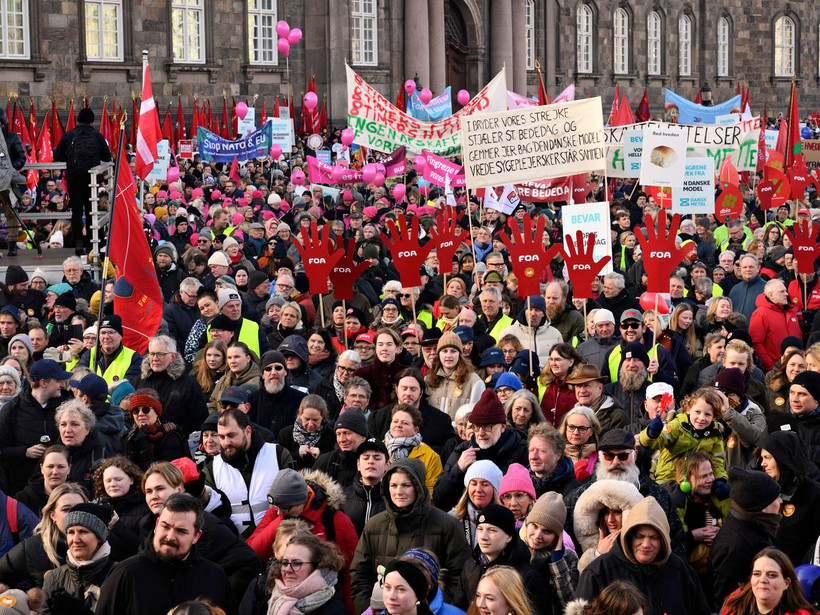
x,y
529,27
584,29
723,41
784,35
620,26
363,33
685,45
653,43
262,32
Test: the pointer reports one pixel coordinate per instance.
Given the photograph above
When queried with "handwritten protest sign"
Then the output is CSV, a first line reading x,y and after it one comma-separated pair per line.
x,y
436,169
214,148
811,150
526,144
697,196
663,156
281,132
590,218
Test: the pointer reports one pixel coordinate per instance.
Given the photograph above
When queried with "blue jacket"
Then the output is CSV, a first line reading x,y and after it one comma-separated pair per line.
x,y
745,294
26,522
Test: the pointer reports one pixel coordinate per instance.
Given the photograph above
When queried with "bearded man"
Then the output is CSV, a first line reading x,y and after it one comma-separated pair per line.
x,y
274,405
630,389
564,317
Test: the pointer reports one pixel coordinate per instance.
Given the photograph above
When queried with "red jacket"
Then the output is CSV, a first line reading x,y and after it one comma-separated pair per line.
x,y
558,399
725,611
770,323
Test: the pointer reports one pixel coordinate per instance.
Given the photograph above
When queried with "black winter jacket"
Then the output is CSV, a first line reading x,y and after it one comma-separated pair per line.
x,y
362,503
26,565
339,465
806,427
82,584
275,411
124,537
180,320
436,427
84,460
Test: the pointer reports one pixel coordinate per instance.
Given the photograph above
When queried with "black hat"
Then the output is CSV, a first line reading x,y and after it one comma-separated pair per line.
x,y
352,419
431,337
85,116
810,381
790,341
635,350
15,274
222,322
111,322
255,278
752,490
271,357
499,516
66,300
92,516
616,438
372,444
356,313
211,422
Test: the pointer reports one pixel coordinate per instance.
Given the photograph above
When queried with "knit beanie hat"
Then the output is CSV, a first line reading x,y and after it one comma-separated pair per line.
x,y
488,410
752,490
635,350
15,601
517,478
732,380
24,339
449,340
120,391
486,470
93,517
509,380
15,274
66,300
289,489
352,419
549,511
499,516
810,381
271,357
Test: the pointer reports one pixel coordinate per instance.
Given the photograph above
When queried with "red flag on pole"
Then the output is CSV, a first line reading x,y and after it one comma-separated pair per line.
x,y
623,115
400,98
323,115
226,127
782,139
543,98
148,131
45,150
698,100
234,173
168,127
276,107
642,112
45,127
234,119
761,142
71,123
137,298
793,143
135,120
33,129
616,100
179,133
194,120
105,127
56,125
264,117
21,128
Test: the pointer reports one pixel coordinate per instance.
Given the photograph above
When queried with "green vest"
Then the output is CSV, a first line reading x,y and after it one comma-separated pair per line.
x,y
503,322
426,317
117,368
248,335
615,361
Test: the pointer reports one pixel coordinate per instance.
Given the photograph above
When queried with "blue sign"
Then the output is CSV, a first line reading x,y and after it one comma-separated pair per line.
x,y
437,109
691,113
214,148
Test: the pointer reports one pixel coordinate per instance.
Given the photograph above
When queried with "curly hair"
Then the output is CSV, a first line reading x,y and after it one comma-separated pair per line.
x,y
124,464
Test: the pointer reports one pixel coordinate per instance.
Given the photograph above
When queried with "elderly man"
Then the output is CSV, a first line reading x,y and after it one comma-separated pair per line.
x,y
596,348
534,330
331,388
615,297
116,362
64,307
275,403
744,294
219,264
633,331
589,391
563,316
491,440
80,280
285,286
164,370
550,469
181,313
491,314
773,321
340,463
244,329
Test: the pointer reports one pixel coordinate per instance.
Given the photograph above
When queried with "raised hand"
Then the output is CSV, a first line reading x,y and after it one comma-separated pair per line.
x,y
345,274
318,258
408,255
804,241
446,236
527,255
660,256
581,264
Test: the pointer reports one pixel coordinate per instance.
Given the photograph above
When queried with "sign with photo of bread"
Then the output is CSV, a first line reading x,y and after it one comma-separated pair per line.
x,y
663,157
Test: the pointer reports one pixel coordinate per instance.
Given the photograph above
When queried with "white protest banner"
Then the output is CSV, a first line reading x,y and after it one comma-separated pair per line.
x,y
248,125
160,170
697,196
632,151
771,138
282,130
663,157
590,218
379,125
537,143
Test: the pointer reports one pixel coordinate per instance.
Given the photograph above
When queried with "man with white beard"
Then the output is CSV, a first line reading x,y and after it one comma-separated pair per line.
x,y
274,405
630,389
616,461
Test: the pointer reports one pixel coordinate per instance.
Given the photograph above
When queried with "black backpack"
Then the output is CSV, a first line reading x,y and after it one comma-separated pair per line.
x,y
83,155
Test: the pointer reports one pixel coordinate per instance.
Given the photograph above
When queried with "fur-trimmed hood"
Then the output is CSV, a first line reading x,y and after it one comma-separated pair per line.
x,y
324,488
614,494
174,371
576,607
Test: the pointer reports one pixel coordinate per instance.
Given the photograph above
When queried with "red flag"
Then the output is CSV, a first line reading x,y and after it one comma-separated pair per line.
x,y
782,139
179,132
623,115
737,89
21,128
213,128
45,151
105,126
400,99
168,127
194,120
33,129
264,117
115,123
137,298
323,115
234,119
292,112
642,112
135,120
46,127
148,130
56,125
543,98
234,173
698,100
226,127
793,143
71,123
276,107
616,100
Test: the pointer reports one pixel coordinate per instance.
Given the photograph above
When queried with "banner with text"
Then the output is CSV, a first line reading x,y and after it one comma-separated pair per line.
x,y
548,190
663,156
437,109
697,196
684,111
379,125
437,169
811,150
214,148
590,218
320,172
281,132
528,144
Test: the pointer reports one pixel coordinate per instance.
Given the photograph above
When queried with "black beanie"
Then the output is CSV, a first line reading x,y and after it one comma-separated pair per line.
x,y
499,516
15,275
810,381
790,341
752,490
66,300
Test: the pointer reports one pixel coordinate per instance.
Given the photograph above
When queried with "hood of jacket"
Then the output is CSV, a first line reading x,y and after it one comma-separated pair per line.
x,y
415,469
790,455
297,345
612,494
521,319
646,512
325,489
174,370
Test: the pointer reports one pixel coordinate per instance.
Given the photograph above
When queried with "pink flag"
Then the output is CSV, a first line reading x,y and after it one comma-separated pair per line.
x,y
568,95
437,169
516,101
148,131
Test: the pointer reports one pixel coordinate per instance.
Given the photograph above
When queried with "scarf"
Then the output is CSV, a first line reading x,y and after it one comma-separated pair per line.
x,y
302,437
338,387
449,323
306,597
315,359
103,551
400,448
768,522
157,430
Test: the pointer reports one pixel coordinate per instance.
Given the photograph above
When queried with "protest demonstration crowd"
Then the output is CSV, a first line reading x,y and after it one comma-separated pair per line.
x,y
371,382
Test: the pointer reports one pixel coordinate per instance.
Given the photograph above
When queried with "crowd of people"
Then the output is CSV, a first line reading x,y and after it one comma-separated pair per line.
x,y
439,448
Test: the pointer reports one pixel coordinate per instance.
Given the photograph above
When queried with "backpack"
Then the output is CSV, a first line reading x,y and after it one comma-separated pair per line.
x,y
83,155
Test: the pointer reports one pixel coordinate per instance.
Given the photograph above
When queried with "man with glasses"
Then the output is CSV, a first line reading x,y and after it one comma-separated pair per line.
x,y
116,361
332,387
616,461
78,278
284,286
181,313
205,242
275,403
661,365
596,348
219,264
179,393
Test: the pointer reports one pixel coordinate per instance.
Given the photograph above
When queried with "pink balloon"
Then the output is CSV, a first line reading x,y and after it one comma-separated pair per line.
x,y
342,162
294,36
419,162
297,177
425,191
276,151
347,137
409,87
380,168
379,179
241,110
282,28
463,97
369,173
338,174
426,96
311,101
173,174
399,190
283,46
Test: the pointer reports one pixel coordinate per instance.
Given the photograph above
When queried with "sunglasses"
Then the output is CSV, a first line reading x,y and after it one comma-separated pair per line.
x,y
145,411
610,456
274,368
631,325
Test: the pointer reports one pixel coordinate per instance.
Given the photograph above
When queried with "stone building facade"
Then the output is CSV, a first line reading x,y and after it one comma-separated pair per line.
x,y
461,43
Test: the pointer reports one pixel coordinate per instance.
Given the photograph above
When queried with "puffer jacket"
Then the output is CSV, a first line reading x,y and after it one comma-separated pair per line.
x,y
679,438
669,585
26,564
391,533
304,377
81,580
769,325
449,396
362,503
546,336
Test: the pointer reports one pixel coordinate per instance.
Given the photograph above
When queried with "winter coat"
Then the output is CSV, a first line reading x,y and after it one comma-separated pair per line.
x,y
632,404
180,394
27,563
769,325
596,349
169,280
436,426
110,425
84,460
806,426
362,503
124,536
394,531
382,380
81,581
339,465
624,300
510,448
147,585
449,396
557,400
34,495
744,296
570,324
249,379
303,377
679,439
275,412
609,412
745,428
327,391
180,320
85,288
546,336
556,576
325,444
668,583
692,511
612,494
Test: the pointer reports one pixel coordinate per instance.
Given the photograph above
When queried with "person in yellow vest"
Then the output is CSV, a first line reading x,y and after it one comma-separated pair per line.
x,y
661,365
244,330
117,362
492,315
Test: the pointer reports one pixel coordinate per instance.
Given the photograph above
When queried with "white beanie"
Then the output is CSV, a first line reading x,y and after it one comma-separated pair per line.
x,y
229,241
274,198
57,237
219,258
486,470
225,295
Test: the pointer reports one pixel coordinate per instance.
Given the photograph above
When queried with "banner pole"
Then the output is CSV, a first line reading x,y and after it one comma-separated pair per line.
x,y
532,334
344,331
586,328
322,311
413,302
470,223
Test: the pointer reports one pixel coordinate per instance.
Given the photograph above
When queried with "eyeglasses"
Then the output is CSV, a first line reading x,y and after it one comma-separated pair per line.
x,y
578,428
487,428
630,325
202,241
347,370
518,496
159,355
274,368
295,564
283,286
145,411
610,456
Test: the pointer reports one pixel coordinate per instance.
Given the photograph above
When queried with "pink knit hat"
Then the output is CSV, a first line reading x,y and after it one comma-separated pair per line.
x,y
237,219
517,478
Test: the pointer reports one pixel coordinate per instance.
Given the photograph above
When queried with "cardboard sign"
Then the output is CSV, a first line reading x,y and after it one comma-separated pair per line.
x,y
186,148
323,155
161,164
527,144
590,218
248,125
811,150
697,196
663,157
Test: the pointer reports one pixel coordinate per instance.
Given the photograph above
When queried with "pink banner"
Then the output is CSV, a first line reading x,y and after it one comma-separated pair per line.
x,y
516,101
322,173
548,190
437,169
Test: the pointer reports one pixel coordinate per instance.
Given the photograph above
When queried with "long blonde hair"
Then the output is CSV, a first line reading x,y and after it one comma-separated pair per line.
x,y
509,583
47,528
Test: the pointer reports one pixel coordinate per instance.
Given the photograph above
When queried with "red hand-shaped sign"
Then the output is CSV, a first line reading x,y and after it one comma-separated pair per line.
x,y
318,258
447,236
729,205
728,172
798,178
774,190
660,256
804,241
345,274
581,264
408,255
527,255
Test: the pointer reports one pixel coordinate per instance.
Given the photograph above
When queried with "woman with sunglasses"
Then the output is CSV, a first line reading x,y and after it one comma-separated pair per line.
x,y
150,439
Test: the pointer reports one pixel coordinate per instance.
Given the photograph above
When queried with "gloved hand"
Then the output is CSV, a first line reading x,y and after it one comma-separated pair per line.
x,y
581,469
721,489
68,604
655,427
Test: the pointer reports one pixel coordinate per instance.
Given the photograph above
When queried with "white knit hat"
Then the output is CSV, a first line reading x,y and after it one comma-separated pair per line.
x,y
486,470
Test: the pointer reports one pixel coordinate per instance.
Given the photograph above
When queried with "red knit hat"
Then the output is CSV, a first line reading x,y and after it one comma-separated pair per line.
x,y
488,410
145,401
